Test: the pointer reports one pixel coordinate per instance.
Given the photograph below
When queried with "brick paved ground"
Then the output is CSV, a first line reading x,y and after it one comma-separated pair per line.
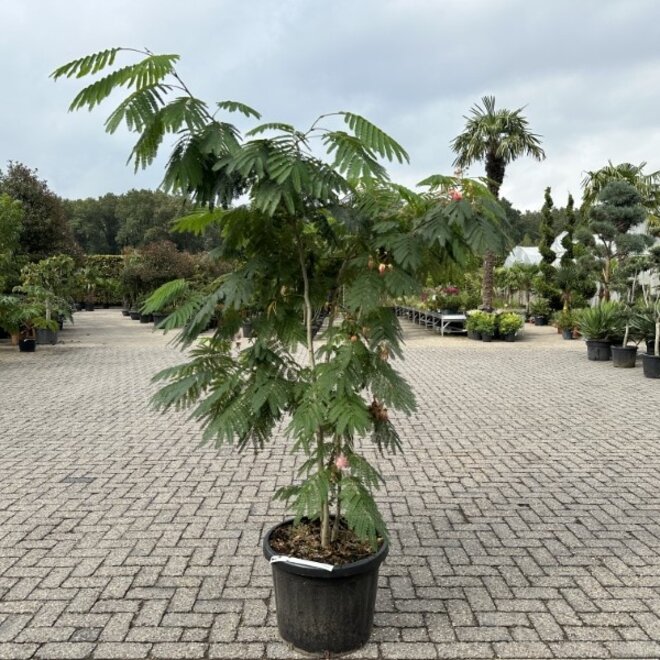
x,y
525,514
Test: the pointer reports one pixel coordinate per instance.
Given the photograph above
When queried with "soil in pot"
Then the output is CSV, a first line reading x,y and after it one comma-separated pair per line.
x,y
324,611
651,364
624,356
567,334
599,351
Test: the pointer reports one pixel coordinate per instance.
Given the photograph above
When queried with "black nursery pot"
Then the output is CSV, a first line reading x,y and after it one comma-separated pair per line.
x,y
624,356
134,314
27,345
567,333
599,351
321,611
45,336
540,320
651,364
650,346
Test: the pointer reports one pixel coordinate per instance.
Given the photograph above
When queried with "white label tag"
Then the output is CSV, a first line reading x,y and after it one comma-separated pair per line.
x,y
300,562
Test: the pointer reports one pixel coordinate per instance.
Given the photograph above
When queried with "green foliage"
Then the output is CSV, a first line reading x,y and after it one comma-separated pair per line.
x,y
11,218
647,185
509,322
44,227
321,235
564,319
497,137
600,323
486,323
540,307
618,209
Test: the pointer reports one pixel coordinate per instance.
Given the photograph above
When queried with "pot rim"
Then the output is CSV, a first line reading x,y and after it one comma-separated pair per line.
x,y
366,565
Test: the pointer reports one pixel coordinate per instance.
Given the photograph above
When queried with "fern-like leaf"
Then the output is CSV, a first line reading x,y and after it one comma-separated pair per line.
x,y
374,138
85,65
235,106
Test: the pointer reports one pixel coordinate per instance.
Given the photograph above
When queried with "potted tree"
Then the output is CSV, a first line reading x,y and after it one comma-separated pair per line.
x,y
625,356
317,234
651,359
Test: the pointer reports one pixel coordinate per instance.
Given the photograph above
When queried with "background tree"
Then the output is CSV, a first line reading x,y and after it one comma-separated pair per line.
x,y
497,137
647,185
45,229
546,285
133,219
617,210
11,218
94,223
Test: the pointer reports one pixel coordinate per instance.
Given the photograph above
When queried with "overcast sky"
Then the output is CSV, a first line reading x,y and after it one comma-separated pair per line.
x,y
587,72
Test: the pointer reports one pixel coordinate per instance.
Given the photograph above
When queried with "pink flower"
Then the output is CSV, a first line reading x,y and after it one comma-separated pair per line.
x,y
455,195
341,462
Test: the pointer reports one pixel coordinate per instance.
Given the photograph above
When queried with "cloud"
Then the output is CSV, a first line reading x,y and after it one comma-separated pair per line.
x,y
587,74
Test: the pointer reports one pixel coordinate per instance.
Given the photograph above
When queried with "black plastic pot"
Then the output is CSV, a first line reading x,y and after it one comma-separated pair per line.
x,y
651,364
247,330
624,356
487,336
45,336
125,312
134,314
89,307
540,320
567,333
146,318
321,611
599,351
509,336
27,345
158,318
650,346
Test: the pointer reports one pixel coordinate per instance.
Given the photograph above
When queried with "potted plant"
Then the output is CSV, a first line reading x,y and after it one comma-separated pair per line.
x,y
317,234
472,323
645,317
27,342
540,311
509,323
598,325
625,356
486,326
565,322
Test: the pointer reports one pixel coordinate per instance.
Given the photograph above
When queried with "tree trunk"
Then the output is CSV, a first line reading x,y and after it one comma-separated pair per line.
x,y
488,283
495,167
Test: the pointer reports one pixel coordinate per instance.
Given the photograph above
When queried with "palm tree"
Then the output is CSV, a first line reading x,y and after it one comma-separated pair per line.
x,y
497,137
647,185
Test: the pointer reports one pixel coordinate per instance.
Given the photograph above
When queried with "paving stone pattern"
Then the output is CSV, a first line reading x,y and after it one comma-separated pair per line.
x,y
525,513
